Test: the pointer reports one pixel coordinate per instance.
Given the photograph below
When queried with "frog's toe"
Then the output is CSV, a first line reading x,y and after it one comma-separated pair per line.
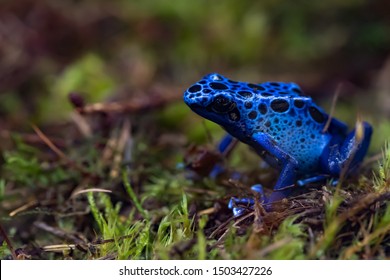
x,y
238,211
259,190
317,179
313,179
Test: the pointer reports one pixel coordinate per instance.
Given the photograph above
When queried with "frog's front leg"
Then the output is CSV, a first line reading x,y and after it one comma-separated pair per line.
x,y
225,146
346,156
288,165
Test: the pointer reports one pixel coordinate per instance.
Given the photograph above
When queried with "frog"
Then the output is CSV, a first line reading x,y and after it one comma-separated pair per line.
x,y
285,127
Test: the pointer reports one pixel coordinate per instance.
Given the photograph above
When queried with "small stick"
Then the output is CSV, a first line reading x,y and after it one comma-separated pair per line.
x,y
59,153
124,137
8,241
23,207
57,232
90,190
359,135
49,143
82,124
332,108
135,105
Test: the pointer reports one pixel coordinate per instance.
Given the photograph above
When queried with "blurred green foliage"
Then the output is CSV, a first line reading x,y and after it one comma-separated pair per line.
x,y
23,166
86,75
97,47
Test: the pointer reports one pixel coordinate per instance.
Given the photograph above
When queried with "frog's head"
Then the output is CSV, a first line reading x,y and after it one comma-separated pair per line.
x,y
222,101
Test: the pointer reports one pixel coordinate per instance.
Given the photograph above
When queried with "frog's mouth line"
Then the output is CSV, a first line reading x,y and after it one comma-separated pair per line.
x,y
196,106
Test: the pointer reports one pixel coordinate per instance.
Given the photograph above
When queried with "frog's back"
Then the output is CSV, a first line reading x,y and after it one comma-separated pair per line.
x,y
292,120
295,123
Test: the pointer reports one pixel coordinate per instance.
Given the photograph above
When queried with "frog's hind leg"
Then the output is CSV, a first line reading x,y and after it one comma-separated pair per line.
x,y
339,159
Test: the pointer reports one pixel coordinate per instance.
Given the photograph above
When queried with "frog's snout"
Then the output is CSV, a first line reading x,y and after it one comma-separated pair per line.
x,y
195,96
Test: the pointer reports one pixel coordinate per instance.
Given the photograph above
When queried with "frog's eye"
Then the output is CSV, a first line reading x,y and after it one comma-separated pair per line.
x,y
222,104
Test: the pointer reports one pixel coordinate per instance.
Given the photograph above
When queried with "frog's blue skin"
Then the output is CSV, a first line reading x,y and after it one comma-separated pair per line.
x,y
284,127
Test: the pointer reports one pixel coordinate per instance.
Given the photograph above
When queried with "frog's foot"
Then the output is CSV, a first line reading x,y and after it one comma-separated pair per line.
x,y
240,205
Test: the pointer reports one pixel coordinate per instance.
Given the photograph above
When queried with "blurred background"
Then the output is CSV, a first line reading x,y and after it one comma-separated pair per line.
x,y
139,53
109,50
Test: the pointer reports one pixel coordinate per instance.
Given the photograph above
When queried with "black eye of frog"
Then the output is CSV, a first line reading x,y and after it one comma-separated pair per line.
x,y
222,104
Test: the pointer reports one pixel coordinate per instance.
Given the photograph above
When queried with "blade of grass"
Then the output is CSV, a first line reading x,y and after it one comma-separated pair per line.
x,y
133,196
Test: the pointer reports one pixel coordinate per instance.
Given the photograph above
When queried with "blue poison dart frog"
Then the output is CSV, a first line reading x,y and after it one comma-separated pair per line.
x,y
286,129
